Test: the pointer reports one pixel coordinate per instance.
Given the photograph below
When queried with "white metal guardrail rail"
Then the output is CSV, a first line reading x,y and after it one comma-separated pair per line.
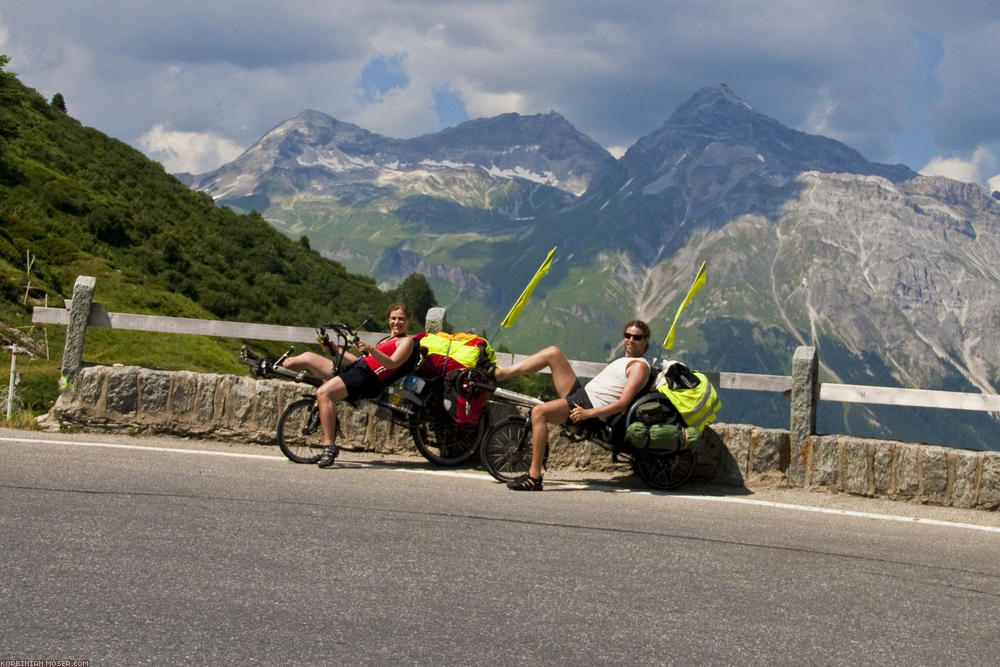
x,y
781,384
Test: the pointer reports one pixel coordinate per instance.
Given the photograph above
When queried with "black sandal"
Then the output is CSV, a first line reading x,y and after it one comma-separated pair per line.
x,y
525,483
328,456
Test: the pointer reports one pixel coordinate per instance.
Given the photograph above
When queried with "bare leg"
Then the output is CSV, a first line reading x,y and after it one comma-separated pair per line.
x,y
327,396
563,376
316,364
551,412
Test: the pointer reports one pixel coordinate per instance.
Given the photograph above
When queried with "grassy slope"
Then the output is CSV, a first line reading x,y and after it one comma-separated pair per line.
x,y
79,203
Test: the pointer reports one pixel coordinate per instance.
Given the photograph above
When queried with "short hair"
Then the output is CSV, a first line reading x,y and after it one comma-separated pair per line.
x,y
644,328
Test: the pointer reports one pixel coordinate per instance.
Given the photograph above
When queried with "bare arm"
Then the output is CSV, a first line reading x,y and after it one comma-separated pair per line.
x,y
403,349
636,374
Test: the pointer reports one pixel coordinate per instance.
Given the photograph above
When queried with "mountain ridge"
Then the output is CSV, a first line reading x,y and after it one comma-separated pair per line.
x,y
806,242
566,158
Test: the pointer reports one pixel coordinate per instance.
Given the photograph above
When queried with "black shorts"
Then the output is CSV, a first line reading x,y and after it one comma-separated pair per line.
x,y
578,396
360,380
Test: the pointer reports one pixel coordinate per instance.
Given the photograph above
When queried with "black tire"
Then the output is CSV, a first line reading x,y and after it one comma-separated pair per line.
x,y
446,443
664,471
299,434
506,449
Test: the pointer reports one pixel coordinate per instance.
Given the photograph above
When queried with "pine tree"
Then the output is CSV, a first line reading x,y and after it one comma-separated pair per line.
x,y
58,102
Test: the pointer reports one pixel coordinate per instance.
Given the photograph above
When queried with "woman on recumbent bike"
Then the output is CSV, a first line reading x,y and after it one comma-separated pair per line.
x,y
608,394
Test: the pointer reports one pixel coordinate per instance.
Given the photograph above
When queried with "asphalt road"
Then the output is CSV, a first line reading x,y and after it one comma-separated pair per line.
x,y
154,551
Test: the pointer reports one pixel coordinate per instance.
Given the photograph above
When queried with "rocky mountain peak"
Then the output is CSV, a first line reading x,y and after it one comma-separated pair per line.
x,y
511,139
717,125
710,102
314,130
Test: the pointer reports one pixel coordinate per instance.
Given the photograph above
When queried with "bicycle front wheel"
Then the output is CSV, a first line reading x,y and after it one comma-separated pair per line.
x,y
299,434
506,450
447,443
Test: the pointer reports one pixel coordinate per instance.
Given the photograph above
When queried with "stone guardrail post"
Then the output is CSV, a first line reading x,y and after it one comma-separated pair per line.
x,y
434,322
805,395
76,330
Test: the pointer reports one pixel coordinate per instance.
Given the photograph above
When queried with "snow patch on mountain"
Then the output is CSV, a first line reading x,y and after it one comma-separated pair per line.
x,y
546,178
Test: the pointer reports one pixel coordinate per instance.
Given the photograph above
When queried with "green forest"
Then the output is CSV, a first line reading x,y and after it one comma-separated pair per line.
x,y
74,201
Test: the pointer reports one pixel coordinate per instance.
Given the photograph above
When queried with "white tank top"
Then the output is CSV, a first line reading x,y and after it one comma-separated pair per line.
x,y
608,385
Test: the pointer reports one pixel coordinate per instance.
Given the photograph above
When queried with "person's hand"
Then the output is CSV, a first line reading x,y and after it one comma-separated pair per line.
x,y
363,347
579,414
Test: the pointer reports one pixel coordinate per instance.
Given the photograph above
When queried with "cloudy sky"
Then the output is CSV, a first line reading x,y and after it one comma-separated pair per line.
x,y
194,83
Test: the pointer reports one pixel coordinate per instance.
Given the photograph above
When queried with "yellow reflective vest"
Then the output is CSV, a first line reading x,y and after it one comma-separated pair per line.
x,y
698,406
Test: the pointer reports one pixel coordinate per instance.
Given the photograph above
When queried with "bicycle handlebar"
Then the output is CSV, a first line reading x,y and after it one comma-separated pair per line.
x,y
346,334
281,359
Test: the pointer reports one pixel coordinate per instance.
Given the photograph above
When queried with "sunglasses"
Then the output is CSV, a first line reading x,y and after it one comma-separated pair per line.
x,y
632,336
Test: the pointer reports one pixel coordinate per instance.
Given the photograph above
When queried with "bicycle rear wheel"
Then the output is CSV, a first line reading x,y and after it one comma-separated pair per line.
x,y
299,434
506,450
665,471
446,443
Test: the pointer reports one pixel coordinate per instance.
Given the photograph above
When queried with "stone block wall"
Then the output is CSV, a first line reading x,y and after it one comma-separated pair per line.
x,y
231,408
202,405
903,471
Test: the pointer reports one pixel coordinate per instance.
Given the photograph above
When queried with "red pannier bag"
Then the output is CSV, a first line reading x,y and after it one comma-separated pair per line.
x,y
446,355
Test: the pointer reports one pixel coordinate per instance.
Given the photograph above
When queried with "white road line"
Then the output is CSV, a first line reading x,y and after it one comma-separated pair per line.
x,y
110,445
863,515
562,485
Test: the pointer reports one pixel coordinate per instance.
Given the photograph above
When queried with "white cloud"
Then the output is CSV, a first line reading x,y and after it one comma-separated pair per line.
x,y
994,183
194,152
617,151
402,112
480,103
975,169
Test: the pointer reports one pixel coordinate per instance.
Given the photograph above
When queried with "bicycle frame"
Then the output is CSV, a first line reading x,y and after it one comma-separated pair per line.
x,y
509,397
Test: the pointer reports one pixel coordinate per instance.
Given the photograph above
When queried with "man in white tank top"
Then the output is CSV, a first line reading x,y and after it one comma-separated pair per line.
x,y
608,394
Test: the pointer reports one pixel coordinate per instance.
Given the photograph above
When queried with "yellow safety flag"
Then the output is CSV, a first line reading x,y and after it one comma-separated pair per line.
x,y
699,281
526,294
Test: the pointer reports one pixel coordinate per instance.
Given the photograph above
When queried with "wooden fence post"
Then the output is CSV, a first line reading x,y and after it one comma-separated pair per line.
x,y
76,330
805,395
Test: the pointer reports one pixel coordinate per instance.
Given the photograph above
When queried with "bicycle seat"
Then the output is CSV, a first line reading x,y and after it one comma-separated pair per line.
x,y
412,361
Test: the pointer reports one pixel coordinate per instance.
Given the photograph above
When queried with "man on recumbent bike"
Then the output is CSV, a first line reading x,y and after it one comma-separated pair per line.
x,y
609,393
